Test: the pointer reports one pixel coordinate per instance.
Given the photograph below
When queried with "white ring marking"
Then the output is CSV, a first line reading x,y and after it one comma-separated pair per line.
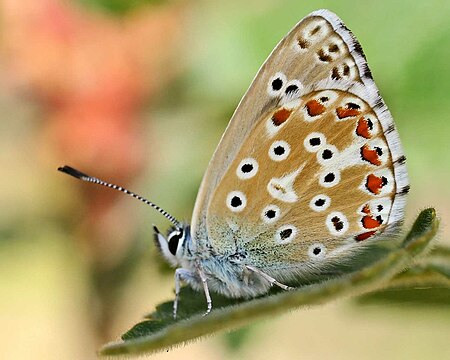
x,y
241,196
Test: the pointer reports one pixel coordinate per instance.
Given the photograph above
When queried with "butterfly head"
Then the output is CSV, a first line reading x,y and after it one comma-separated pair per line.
x,y
172,247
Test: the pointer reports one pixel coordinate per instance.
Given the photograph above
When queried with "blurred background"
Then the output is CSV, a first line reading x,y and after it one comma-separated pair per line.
x,y
138,93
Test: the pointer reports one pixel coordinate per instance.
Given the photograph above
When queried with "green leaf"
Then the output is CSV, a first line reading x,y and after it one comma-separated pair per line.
x,y
408,296
160,331
416,240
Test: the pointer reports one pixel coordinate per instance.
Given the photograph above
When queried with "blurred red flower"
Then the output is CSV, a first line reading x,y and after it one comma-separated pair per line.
x,y
91,74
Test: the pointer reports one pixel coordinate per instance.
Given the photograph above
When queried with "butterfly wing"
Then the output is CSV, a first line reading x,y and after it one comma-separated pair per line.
x,y
311,162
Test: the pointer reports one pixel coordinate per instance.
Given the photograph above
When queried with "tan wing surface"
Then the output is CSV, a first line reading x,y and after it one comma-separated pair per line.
x,y
315,86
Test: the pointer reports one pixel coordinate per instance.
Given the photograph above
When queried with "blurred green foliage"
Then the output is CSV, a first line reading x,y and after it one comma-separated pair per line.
x,y
119,7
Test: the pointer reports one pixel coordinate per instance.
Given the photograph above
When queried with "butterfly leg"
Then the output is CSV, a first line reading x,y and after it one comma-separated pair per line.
x,y
179,275
206,290
269,278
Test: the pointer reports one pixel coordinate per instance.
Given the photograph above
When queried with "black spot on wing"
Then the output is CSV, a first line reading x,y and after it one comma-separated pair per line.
x,y
379,104
291,89
335,74
346,70
354,106
302,43
355,43
314,141
285,234
320,202
401,160
366,71
277,84
343,26
333,48
389,129
323,56
315,30
404,190
358,48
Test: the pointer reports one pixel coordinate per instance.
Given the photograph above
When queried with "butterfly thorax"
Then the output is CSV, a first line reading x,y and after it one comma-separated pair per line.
x,y
226,272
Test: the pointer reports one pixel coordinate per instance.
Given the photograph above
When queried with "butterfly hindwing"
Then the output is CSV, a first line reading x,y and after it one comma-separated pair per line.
x,y
311,161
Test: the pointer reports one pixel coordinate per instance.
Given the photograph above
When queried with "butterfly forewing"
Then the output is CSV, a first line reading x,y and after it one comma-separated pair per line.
x,y
311,160
300,55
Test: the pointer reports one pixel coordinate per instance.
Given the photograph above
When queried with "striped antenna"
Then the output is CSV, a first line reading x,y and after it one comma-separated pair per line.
x,y
79,175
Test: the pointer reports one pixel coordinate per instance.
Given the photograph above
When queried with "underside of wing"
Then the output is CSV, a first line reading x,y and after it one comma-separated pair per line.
x,y
316,176
311,160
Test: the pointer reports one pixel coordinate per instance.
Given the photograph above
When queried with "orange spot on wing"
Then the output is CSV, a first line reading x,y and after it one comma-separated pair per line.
x,y
364,236
363,128
375,183
366,209
370,223
370,155
315,108
344,112
280,116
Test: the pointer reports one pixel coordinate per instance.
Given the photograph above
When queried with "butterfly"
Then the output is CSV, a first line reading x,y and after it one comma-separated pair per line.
x,y
309,169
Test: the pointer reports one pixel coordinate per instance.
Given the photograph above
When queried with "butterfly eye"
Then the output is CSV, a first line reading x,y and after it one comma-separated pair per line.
x,y
270,214
316,251
279,150
329,179
285,234
247,168
337,223
236,201
320,202
314,141
174,239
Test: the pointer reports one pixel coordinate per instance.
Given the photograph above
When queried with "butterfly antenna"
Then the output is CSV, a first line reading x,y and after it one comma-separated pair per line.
x,y
79,175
